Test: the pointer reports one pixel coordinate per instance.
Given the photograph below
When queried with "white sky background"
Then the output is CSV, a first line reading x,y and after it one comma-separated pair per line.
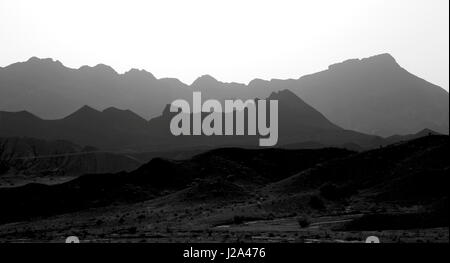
x,y
232,40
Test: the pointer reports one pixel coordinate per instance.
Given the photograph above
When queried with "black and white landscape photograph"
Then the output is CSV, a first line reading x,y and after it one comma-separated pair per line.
x,y
210,121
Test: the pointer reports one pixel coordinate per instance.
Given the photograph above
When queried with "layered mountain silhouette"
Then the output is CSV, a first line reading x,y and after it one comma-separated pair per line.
x,y
114,129
373,95
50,90
110,129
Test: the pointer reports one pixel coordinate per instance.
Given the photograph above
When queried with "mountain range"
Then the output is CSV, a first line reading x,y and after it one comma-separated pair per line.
x,y
89,152
123,130
374,96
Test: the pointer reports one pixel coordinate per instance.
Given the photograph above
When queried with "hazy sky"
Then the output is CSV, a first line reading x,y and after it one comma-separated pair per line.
x,y
233,40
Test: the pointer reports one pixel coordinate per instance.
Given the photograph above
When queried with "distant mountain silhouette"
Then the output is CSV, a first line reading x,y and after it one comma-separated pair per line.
x,y
298,123
114,129
376,96
373,95
51,90
110,129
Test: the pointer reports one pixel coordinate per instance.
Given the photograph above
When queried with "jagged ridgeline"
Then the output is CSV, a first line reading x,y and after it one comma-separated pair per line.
x,y
374,95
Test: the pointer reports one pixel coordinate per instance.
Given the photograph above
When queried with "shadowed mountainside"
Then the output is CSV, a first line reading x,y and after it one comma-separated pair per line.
x,y
25,160
114,129
245,168
415,171
410,173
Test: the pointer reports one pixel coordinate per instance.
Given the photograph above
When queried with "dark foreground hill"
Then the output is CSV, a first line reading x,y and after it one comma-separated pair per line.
x,y
252,168
408,174
414,171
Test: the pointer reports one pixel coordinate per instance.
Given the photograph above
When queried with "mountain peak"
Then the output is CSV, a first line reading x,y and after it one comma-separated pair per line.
x,y
257,82
105,68
205,80
45,61
139,73
283,95
383,60
34,59
100,69
86,110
